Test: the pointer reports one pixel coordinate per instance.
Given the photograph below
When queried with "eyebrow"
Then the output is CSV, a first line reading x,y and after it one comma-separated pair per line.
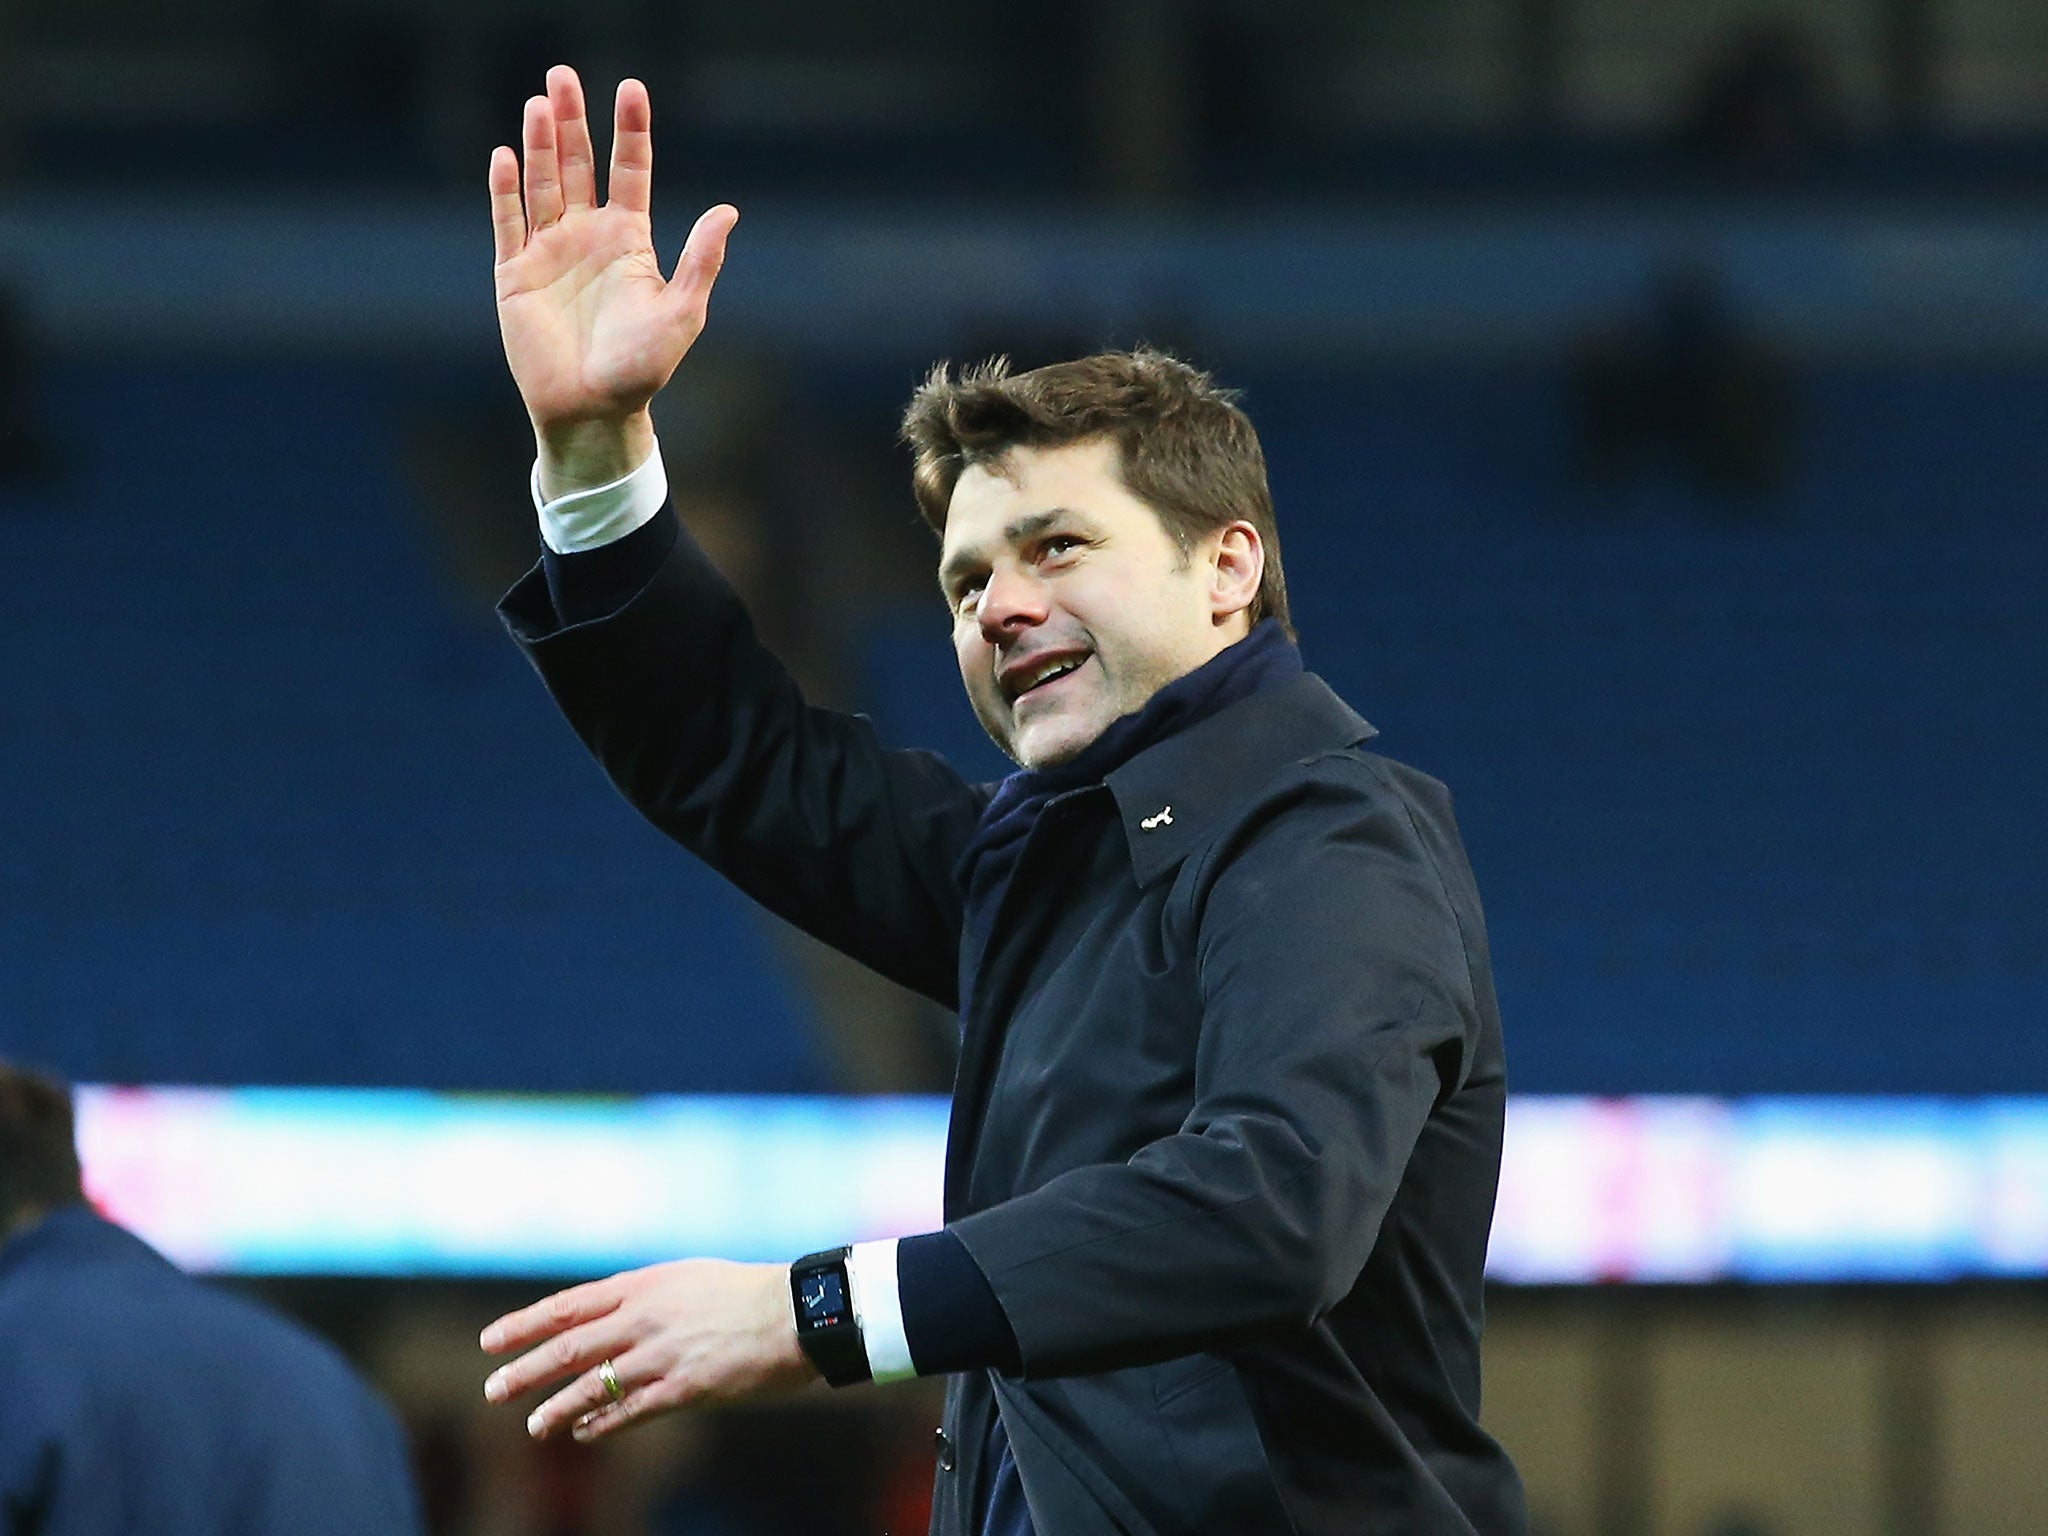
x,y
961,561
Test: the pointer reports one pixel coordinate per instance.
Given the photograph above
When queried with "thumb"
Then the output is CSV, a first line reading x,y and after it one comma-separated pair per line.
x,y
703,255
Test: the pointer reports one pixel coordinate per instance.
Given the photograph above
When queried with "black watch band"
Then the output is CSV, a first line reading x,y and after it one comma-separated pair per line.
x,y
827,1326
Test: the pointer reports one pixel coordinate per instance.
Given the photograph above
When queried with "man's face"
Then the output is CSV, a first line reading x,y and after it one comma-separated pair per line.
x,y
1071,603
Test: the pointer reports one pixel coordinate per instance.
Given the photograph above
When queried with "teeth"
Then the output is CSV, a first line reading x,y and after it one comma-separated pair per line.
x,y
1051,669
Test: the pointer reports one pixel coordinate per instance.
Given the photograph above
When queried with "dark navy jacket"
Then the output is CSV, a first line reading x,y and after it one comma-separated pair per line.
x,y
1227,1122
137,1401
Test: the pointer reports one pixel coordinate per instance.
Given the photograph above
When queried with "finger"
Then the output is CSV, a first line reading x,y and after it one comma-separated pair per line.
x,y
566,1354
549,1316
632,175
508,211
689,290
572,138
637,1400
587,1397
602,1421
543,176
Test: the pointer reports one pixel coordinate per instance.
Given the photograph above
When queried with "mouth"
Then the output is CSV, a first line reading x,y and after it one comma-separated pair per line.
x,y
1042,677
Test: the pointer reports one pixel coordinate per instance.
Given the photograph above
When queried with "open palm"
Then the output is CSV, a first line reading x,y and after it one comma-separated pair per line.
x,y
591,328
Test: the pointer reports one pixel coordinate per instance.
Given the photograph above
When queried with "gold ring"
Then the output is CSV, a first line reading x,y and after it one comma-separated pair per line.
x,y
608,1374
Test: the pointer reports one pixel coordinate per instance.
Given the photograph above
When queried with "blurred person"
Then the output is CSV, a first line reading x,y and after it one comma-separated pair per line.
x,y
139,1400
1685,384
1763,108
29,452
1227,1118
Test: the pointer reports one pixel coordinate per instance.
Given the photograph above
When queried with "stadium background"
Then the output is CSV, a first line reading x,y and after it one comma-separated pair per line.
x,y
1653,395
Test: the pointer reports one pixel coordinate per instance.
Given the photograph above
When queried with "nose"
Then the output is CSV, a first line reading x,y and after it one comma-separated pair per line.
x,y
1011,603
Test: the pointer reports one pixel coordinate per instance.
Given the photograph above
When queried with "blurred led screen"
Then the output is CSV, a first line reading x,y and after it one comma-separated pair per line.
x,y
375,1182
372,1182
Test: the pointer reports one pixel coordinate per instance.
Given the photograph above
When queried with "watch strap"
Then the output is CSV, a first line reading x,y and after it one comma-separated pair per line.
x,y
836,1346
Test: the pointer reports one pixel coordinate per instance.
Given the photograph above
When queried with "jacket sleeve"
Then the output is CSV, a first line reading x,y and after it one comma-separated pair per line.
x,y
1337,1006
708,736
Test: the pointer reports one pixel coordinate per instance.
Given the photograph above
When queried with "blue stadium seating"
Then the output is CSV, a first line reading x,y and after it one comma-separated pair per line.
x,y
1755,801
284,814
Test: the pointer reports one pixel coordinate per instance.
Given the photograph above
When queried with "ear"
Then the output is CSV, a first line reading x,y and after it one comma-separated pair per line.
x,y
1237,564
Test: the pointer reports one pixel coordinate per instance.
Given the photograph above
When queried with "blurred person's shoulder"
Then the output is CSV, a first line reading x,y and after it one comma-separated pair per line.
x,y
76,1280
107,1342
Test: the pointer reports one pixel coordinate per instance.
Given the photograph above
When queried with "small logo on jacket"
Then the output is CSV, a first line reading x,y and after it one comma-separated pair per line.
x,y
1161,818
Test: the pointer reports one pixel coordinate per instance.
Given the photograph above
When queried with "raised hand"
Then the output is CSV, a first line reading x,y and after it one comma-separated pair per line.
x,y
591,328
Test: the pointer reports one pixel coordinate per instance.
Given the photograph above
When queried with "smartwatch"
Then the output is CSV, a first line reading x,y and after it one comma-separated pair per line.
x,y
827,1326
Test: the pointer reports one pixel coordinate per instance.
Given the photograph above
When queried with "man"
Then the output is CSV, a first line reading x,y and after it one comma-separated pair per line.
x,y
140,1401
1226,1127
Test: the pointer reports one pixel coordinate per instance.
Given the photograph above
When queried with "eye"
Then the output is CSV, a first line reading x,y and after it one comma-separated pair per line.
x,y
1060,543
968,596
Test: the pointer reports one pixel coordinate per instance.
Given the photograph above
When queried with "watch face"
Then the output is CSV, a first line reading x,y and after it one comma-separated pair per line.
x,y
822,1296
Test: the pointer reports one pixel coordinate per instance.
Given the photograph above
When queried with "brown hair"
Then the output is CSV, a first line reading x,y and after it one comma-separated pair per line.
x,y
38,1146
1183,446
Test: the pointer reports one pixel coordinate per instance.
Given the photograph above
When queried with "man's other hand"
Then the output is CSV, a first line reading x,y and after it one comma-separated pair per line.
x,y
591,328
694,1331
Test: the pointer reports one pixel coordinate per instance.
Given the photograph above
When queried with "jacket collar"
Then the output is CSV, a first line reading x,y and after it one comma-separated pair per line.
x,y
1172,795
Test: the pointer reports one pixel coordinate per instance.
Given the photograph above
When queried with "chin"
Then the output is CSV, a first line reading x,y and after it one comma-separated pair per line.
x,y
1035,759
1053,743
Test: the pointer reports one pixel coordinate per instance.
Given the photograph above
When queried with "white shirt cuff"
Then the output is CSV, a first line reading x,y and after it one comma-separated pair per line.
x,y
871,1267
590,519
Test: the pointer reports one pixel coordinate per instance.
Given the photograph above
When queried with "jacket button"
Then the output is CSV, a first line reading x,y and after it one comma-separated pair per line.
x,y
945,1445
